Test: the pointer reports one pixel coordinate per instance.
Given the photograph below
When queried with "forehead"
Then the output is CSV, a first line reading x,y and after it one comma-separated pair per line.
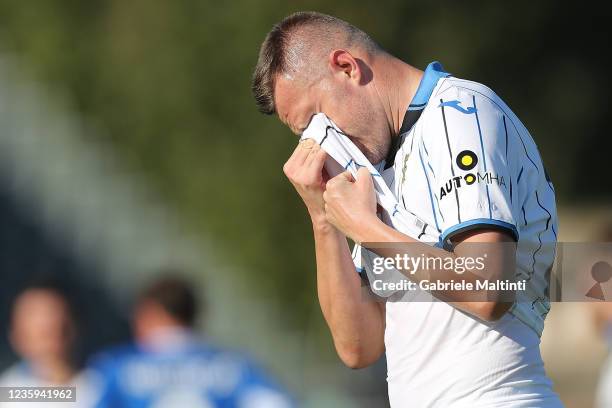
x,y
293,101
36,299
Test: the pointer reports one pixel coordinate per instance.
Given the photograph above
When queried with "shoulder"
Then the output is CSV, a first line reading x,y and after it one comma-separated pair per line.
x,y
249,371
230,360
461,99
463,112
467,90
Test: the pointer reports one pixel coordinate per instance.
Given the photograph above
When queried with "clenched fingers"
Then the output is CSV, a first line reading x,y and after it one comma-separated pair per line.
x,y
299,155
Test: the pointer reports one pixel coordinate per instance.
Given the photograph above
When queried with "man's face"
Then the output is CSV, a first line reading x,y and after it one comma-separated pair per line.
x,y
351,104
41,325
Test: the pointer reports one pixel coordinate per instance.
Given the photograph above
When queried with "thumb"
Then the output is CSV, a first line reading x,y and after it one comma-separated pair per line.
x,y
364,178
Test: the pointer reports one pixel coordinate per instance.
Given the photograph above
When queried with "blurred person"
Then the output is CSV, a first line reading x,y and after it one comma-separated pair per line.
x,y
42,334
602,317
168,366
602,313
456,157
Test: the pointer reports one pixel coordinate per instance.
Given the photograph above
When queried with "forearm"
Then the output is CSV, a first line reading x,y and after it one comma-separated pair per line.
x,y
497,258
356,323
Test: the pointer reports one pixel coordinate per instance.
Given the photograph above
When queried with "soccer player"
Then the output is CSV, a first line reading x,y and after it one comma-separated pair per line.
x,y
168,366
460,160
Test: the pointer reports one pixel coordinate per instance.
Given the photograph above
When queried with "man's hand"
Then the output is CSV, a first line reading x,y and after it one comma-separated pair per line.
x,y
304,169
357,327
350,205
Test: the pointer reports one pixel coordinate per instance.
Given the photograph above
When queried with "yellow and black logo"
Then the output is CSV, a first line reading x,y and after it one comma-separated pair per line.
x,y
467,160
469,178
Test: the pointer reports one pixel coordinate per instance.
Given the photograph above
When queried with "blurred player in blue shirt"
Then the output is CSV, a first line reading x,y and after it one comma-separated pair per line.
x,y
169,367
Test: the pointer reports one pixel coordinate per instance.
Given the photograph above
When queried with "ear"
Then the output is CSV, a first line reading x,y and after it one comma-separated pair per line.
x,y
343,63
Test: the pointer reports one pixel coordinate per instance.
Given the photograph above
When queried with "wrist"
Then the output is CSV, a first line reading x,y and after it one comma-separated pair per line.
x,y
367,230
322,226
317,216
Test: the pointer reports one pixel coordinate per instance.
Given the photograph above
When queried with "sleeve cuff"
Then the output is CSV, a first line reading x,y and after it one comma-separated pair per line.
x,y
446,236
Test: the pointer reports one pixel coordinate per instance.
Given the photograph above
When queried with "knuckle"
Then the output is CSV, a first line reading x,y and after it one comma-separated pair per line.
x,y
290,177
287,168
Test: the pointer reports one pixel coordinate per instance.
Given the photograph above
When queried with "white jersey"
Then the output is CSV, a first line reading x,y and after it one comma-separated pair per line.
x,y
465,161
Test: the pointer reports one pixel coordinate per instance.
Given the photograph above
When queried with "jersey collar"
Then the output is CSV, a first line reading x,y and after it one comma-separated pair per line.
x,y
433,73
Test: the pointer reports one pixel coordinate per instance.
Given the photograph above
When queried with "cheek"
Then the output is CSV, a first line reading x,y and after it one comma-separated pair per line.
x,y
364,123
350,115
357,116
339,105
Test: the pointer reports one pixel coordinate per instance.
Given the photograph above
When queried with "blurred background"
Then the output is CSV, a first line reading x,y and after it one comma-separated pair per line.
x,y
129,143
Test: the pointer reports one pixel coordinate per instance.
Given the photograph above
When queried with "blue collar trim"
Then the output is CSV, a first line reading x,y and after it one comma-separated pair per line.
x,y
431,76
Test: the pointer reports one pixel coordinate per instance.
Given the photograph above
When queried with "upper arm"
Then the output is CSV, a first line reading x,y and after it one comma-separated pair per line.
x,y
497,246
499,250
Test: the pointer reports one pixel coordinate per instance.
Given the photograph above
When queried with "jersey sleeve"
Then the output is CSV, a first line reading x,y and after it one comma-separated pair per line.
x,y
464,150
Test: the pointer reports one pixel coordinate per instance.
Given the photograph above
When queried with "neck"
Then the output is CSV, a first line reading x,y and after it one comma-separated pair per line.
x,y
397,86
